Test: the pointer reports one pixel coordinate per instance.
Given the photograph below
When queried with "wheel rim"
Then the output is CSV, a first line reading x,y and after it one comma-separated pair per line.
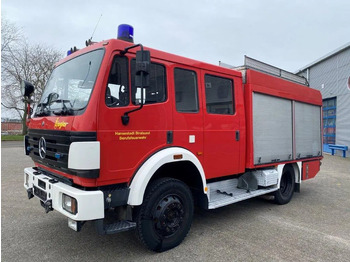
x,y
168,216
286,184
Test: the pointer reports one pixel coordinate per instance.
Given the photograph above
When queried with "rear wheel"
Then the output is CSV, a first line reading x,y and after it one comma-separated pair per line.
x,y
165,217
285,193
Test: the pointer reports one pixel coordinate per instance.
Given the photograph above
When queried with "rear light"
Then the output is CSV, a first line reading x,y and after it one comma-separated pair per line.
x,y
69,204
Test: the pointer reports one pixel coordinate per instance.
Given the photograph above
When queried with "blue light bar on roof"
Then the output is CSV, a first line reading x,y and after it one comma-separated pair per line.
x,y
72,50
126,33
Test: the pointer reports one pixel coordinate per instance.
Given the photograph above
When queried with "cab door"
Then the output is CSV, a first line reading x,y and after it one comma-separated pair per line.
x,y
124,147
222,134
187,112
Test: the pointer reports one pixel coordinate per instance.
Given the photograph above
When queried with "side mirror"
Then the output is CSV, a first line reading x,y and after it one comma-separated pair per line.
x,y
27,89
143,61
142,69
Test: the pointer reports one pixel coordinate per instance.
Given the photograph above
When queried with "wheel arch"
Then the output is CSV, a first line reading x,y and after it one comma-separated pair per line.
x,y
169,161
297,171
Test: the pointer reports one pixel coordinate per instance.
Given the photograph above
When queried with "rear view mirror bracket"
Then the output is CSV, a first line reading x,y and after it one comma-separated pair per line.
x,y
143,61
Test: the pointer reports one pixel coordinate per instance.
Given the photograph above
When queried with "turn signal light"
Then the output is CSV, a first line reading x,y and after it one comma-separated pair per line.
x,y
176,157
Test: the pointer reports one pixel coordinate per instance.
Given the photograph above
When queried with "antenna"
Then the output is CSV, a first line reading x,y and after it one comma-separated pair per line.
x,y
89,42
95,27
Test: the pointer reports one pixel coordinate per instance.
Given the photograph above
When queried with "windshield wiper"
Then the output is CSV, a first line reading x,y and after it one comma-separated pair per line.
x,y
42,110
43,107
64,110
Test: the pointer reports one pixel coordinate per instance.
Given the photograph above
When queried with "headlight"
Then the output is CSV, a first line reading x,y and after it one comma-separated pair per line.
x,y
69,204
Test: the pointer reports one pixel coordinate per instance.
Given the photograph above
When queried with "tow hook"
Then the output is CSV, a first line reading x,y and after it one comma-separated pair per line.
x,y
30,193
47,205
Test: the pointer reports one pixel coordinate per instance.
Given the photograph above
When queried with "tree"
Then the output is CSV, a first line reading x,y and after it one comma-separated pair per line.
x,y
10,34
22,61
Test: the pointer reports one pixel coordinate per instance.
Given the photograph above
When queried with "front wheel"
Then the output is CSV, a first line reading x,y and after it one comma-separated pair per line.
x,y
165,217
285,193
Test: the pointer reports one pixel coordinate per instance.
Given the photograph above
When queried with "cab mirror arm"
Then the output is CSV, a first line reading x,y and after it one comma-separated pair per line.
x,y
143,61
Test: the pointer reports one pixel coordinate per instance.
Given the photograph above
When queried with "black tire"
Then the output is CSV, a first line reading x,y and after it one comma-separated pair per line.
x,y
165,217
285,193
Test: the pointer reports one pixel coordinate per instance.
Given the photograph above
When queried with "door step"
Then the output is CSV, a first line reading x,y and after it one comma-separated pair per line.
x,y
120,226
225,192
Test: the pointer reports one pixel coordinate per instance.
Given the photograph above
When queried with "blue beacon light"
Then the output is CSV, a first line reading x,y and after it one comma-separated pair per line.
x,y
126,33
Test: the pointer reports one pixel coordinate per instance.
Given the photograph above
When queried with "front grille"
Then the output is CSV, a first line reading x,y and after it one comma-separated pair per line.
x,y
57,147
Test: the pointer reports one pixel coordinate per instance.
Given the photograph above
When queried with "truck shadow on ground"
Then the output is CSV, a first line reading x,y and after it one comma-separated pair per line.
x,y
126,243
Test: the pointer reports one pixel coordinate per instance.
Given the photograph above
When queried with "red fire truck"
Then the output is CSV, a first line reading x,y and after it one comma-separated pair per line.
x,y
129,137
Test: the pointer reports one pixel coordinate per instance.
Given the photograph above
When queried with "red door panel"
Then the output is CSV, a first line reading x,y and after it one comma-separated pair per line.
x,y
222,134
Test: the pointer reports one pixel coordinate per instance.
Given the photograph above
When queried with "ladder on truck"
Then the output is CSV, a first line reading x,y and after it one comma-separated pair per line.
x,y
251,63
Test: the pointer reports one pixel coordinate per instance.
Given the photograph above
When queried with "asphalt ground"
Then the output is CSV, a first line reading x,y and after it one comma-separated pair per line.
x,y
314,226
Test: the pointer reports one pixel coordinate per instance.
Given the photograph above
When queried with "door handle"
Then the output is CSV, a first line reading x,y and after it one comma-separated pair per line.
x,y
237,135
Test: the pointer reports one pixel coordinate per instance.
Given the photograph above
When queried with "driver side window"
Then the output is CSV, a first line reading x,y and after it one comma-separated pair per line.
x,y
117,92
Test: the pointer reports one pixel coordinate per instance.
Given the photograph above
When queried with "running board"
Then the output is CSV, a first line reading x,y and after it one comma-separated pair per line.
x,y
225,192
120,226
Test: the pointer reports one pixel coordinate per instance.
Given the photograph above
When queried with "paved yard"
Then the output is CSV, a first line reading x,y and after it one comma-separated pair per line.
x,y
314,226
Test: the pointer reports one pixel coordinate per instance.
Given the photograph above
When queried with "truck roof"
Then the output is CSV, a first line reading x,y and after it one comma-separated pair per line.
x,y
115,44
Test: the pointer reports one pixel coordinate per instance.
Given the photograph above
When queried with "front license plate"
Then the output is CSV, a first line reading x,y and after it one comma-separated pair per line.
x,y
40,193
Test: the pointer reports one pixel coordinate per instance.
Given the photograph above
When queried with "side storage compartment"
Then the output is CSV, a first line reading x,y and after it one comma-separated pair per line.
x,y
307,130
283,118
284,129
272,129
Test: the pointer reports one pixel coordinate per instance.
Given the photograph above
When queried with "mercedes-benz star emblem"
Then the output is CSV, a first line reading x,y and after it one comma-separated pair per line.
x,y
42,147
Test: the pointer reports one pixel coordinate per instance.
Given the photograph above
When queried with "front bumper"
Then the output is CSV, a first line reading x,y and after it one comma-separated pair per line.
x,y
50,192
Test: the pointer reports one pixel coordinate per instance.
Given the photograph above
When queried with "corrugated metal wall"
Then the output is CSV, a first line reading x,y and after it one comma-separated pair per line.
x,y
330,76
342,133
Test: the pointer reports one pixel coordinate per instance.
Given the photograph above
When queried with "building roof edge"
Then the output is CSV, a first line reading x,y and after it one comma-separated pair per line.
x,y
334,52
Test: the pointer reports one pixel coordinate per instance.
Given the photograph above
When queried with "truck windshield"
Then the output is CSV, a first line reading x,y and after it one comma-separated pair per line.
x,y
70,85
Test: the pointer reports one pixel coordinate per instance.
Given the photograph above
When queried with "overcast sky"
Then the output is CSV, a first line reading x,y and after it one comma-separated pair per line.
x,y
287,34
